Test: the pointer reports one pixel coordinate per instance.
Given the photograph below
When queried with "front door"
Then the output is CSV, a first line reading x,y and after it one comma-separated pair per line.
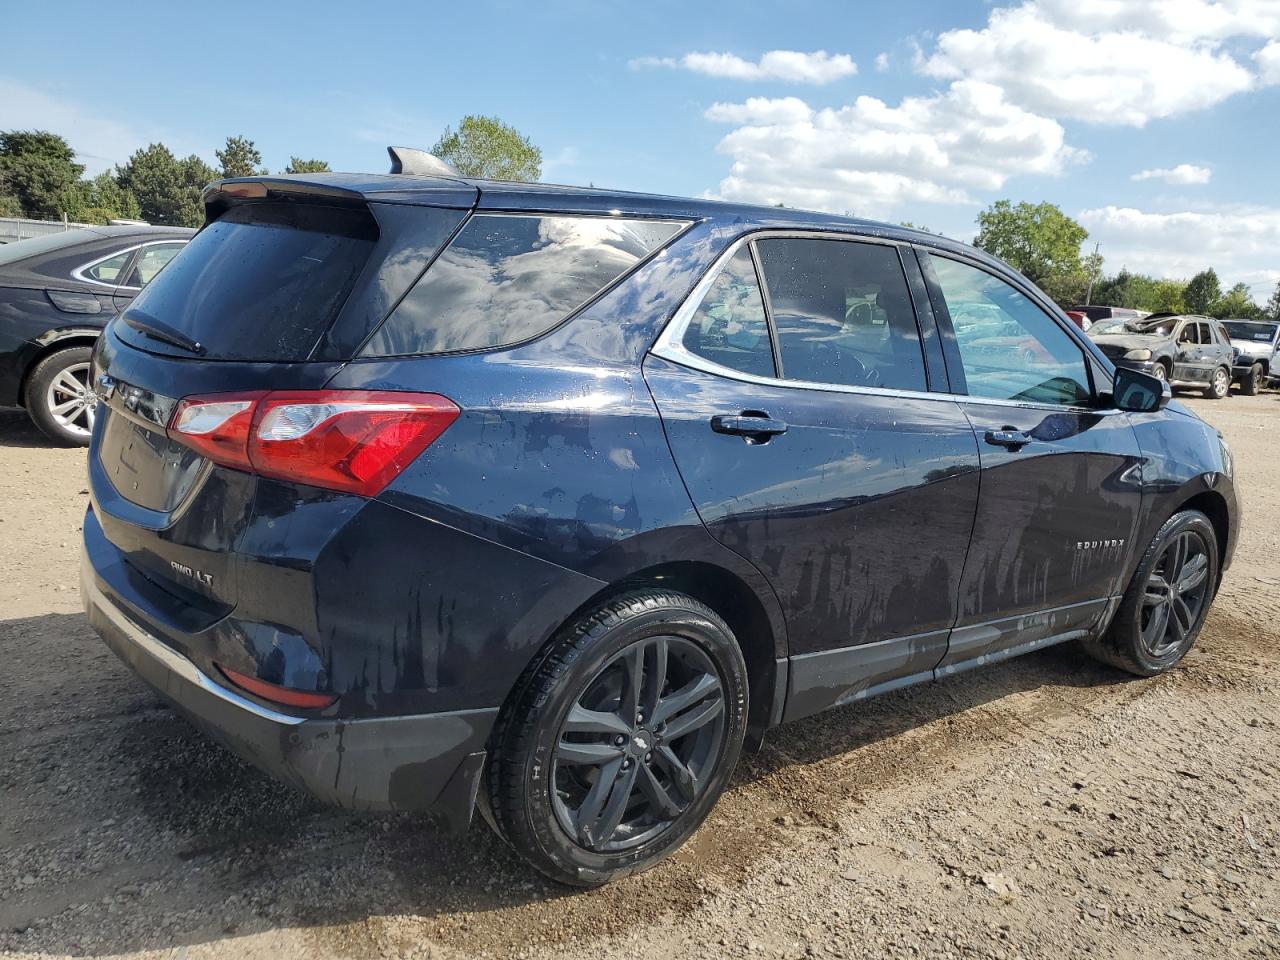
x,y
1061,475
810,443
1188,364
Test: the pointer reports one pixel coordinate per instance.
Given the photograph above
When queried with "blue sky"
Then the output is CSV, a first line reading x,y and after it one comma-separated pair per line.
x,y
920,111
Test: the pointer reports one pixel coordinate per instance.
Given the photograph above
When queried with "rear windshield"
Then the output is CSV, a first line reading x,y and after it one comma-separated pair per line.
x,y
507,278
262,282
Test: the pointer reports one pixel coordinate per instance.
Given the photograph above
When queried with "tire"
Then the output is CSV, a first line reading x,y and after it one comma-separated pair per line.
x,y
57,380
557,738
1136,640
1160,372
1219,384
1251,382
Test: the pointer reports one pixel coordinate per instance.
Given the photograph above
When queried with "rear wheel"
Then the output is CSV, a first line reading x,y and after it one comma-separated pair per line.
x,y
1164,607
618,742
60,398
1251,382
1219,384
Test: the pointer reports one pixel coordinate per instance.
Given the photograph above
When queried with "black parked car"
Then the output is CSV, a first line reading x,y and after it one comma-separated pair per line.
x,y
420,492
1187,351
56,294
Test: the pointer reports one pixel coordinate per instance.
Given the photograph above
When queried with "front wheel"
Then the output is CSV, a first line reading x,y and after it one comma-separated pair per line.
x,y
1251,382
1167,600
1219,384
1160,372
620,739
60,398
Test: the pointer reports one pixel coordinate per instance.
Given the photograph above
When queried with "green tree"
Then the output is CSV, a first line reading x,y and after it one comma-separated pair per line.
x,y
1040,241
1237,302
1203,291
298,165
487,148
38,168
1273,305
167,189
1167,296
240,158
101,200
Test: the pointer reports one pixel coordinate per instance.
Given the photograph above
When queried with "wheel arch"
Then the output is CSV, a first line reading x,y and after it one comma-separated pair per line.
x,y
50,344
1214,506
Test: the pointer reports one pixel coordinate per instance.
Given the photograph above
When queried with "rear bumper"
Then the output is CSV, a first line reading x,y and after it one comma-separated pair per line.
x,y
428,762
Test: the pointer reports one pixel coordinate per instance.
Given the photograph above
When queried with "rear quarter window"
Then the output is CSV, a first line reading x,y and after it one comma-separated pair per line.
x,y
507,278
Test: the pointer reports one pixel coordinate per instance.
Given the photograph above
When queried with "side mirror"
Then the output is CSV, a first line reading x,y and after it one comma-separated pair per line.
x,y
1139,392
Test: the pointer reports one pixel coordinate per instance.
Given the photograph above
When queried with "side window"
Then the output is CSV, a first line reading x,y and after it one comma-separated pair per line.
x,y
150,260
842,313
1188,334
730,327
108,271
1009,347
1205,336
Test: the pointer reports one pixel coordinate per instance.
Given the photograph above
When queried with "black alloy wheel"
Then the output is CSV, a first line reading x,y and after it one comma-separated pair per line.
x,y
1175,594
619,739
1165,605
636,747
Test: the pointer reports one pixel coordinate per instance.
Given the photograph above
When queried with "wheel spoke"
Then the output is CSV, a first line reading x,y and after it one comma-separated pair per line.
x,y
657,794
594,802
691,720
1176,557
657,677
1157,626
582,720
64,408
1157,590
598,829
680,774
67,383
1193,573
689,695
1182,616
592,754
632,681
1176,629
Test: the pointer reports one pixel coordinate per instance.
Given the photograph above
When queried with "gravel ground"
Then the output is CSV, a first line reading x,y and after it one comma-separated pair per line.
x,y
1047,807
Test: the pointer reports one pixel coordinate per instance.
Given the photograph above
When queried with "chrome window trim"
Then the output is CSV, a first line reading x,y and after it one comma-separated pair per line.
x,y
670,343
79,272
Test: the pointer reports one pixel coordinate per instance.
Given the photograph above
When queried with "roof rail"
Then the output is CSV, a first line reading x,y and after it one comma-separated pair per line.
x,y
419,163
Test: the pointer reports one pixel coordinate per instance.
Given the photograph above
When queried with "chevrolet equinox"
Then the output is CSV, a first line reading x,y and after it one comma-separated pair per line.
x,y
426,493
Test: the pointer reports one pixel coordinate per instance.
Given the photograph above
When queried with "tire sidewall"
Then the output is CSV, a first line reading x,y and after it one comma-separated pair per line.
x,y
1130,614
1219,388
576,864
37,390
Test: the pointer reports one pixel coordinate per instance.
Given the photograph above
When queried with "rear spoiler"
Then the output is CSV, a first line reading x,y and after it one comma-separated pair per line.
x,y
221,194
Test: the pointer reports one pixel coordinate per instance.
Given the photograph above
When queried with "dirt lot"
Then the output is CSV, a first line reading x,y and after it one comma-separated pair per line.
x,y
1047,807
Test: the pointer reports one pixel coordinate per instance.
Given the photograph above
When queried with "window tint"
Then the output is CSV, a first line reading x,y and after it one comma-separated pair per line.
x,y
262,282
1009,347
730,327
1206,336
842,313
507,278
108,271
150,260
1188,334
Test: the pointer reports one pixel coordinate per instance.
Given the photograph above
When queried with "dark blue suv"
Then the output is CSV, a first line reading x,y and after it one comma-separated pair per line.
x,y
426,493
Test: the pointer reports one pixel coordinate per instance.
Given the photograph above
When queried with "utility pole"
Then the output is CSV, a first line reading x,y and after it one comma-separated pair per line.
x,y
1088,297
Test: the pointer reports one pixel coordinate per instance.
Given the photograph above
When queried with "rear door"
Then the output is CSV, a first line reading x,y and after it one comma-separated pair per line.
x,y
796,399
1061,474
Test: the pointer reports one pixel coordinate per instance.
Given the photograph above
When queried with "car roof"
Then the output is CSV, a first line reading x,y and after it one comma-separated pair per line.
x,y
138,229
518,196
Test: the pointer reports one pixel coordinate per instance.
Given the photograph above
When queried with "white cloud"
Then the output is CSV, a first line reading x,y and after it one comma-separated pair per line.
x,y
790,66
869,157
1268,60
1240,243
1183,173
882,62
99,141
1108,61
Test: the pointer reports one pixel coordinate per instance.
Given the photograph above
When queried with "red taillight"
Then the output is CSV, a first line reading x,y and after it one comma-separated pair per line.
x,y
285,696
356,441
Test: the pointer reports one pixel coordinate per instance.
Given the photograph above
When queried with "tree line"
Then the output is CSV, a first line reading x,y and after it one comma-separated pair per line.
x,y
40,178
1044,244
